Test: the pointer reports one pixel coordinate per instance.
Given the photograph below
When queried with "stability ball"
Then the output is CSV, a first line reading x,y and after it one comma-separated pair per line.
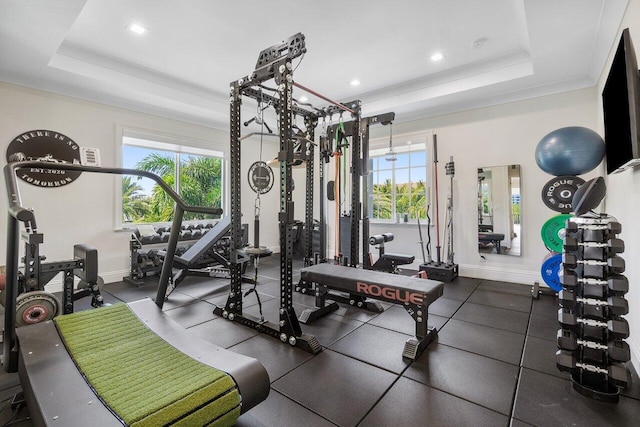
x,y
573,150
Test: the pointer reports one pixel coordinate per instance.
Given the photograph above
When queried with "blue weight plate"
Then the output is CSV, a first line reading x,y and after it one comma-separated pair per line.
x,y
550,268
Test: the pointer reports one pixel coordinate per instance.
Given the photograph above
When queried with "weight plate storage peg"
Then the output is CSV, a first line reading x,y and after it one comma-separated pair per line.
x,y
558,192
553,231
549,271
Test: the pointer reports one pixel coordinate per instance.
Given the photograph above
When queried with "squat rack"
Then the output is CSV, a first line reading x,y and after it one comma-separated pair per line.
x,y
275,63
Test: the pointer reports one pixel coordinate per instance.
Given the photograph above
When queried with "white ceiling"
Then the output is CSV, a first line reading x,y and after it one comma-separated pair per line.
x,y
182,67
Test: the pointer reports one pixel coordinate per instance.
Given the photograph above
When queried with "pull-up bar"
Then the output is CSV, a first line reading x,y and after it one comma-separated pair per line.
x,y
313,92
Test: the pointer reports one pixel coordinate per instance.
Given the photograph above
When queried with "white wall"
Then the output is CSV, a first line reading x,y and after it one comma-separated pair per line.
x,y
83,211
500,135
623,196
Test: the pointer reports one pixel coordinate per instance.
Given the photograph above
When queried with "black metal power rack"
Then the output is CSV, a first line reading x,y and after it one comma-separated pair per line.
x,y
275,63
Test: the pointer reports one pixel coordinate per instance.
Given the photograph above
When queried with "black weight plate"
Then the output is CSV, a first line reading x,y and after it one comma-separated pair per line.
x,y
558,192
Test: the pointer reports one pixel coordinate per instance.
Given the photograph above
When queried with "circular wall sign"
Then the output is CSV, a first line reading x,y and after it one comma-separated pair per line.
x,y
260,177
49,147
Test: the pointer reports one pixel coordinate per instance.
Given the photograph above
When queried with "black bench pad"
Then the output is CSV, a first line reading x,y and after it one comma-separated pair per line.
x,y
414,294
388,287
398,258
195,252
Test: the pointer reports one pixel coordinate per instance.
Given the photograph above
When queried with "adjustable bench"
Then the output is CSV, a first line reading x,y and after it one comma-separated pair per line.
x,y
414,294
198,249
197,260
57,393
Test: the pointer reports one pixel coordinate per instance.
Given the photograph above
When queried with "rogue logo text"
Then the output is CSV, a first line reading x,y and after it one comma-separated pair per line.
x,y
399,295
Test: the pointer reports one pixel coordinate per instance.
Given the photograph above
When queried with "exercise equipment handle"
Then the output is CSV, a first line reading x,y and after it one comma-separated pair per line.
x,y
23,214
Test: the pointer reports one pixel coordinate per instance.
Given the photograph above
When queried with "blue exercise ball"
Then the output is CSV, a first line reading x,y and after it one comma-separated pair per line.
x,y
573,150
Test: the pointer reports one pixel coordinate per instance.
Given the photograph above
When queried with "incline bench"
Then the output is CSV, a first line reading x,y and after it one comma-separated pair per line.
x,y
196,260
414,294
57,394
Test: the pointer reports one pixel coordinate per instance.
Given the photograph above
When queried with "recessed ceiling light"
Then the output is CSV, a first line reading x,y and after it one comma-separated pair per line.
x,y
137,28
303,99
438,56
355,82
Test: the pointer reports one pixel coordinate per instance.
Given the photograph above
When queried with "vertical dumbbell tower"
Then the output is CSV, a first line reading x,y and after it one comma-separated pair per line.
x,y
592,330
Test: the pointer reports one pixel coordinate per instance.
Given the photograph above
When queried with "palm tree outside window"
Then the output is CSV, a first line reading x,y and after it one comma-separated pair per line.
x,y
195,174
398,189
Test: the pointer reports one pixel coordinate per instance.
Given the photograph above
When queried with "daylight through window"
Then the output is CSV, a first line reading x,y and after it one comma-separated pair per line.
x,y
195,174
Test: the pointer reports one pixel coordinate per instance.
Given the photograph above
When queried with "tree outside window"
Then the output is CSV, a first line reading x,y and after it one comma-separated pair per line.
x,y
399,188
197,178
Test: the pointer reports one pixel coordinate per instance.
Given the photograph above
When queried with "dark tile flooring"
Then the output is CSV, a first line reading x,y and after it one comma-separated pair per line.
x,y
492,365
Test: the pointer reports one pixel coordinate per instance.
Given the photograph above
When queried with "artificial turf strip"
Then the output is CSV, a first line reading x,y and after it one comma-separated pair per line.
x,y
141,378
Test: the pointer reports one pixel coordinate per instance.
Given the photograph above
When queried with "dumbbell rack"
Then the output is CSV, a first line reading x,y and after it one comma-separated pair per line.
x,y
145,262
592,330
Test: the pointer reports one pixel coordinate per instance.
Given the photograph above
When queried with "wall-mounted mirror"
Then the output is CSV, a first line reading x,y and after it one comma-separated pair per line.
x,y
499,202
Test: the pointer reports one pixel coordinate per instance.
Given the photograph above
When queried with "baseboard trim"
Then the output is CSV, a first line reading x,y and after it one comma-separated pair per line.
x,y
500,274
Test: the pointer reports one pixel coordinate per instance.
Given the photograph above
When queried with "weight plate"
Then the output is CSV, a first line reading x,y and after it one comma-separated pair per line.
x,y
558,192
35,307
553,232
549,271
260,177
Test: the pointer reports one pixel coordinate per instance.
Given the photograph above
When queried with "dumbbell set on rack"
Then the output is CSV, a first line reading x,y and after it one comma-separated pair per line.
x,y
147,262
592,330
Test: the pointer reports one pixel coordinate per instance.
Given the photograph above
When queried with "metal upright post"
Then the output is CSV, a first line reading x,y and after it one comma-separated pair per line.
x,y
308,150
10,354
356,208
289,326
364,130
234,302
324,158
167,266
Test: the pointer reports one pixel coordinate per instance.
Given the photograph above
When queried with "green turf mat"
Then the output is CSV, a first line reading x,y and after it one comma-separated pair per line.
x,y
143,379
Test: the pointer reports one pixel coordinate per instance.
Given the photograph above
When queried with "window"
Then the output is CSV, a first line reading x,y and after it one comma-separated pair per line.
x,y
195,174
398,189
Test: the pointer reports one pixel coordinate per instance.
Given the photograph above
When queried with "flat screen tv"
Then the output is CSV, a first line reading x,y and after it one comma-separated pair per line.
x,y
621,104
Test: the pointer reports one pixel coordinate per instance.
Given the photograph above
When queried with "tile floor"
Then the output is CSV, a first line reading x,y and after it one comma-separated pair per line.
x,y
492,364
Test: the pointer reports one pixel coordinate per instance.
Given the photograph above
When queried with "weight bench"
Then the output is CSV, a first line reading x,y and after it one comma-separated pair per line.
x,y
197,260
57,393
489,238
386,261
414,294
